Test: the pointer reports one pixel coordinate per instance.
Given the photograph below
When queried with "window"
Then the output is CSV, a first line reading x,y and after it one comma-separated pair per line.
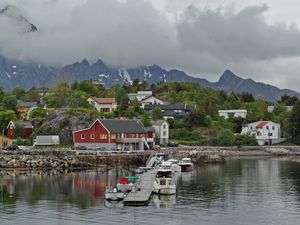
x,y
112,136
82,136
273,127
92,136
104,110
267,127
164,126
270,134
164,133
103,136
251,127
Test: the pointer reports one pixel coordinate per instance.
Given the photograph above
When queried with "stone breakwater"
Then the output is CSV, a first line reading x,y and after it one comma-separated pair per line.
x,y
61,159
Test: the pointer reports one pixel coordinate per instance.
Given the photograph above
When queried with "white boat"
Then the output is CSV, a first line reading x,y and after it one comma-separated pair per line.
x,y
112,194
176,168
165,169
126,184
164,186
186,164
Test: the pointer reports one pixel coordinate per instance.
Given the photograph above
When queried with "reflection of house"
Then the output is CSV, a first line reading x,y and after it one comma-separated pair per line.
x,y
5,141
175,111
161,128
266,132
150,136
25,126
24,108
271,108
140,95
234,113
152,100
112,135
105,105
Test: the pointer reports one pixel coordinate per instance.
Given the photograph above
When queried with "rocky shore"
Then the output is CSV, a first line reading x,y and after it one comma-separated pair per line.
x,y
70,159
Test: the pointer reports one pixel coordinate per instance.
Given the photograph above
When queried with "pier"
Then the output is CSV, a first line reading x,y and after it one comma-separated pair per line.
x,y
142,194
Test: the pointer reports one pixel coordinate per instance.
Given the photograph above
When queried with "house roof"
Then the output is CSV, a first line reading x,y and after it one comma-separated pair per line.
x,y
104,100
233,111
262,124
158,122
27,104
149,129
123,126
151,96
168,107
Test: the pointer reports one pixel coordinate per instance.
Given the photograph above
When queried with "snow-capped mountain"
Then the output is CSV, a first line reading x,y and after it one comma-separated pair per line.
x,y
28,74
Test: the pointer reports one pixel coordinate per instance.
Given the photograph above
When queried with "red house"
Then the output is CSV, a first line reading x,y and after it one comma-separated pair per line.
x,y
113,135
27,129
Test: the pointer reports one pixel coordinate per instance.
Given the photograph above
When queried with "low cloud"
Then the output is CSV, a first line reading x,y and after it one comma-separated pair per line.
x,y
128,33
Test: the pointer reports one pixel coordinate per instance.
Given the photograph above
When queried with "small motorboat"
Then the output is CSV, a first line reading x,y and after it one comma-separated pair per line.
x,y
112,194
165,169
126,183
164,186
186,164
176,168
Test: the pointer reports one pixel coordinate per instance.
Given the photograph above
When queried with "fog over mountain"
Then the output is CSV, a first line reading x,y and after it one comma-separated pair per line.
x,y
200,37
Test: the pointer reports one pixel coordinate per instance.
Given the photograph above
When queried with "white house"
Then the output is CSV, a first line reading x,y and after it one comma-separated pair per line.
x,y
234,113
265,132
105,105
152,100
161,128
140,95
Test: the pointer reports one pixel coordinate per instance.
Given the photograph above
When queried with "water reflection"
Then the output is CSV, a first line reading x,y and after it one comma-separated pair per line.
x,y
248,191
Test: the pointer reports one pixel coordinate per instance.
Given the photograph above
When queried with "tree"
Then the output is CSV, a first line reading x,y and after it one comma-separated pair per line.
x,y
288,100
6,117
10,102
224,138
246,97
33,95
19,92
146,120
157,114
294,122
2,94
38,113
78,99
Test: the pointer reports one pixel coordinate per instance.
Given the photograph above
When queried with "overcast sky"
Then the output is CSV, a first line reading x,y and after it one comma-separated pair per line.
x,y
256,39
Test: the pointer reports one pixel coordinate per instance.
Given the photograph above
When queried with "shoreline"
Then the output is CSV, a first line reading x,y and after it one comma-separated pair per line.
x,y
67,159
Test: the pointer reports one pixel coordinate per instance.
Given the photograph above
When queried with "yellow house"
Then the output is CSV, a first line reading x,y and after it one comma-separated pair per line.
x,y
5,141
105,105
24,107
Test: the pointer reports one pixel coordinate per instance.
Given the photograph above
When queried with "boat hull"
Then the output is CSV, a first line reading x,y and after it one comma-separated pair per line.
x,y
125,187
114,196
186,168
164,186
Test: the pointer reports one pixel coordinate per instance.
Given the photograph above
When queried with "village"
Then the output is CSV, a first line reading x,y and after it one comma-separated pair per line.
x,y
148,131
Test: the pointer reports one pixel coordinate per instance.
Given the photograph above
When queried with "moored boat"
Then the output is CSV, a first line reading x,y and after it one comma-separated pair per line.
x,y
165,169
186,164
164,186
112,194
176,168
126,183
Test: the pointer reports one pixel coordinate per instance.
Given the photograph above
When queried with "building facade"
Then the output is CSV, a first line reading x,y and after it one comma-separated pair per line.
x,y
265,132
104,105
173,111
112,135
234,113
152,100
140,95
161,128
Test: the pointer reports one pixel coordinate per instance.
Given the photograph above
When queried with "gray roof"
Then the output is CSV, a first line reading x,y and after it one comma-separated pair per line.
x,y
123,126
149,129
168,107
27,104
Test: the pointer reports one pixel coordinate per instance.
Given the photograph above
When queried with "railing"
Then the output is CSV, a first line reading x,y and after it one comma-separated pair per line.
x,y
130,140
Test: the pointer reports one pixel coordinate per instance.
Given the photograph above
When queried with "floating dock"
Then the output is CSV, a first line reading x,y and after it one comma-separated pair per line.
x,y
142,194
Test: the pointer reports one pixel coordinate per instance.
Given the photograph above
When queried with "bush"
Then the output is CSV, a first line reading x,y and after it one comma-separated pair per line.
x,y
245,140
224,138
38,113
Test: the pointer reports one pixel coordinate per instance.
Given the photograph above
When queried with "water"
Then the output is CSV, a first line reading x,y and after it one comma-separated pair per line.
x,y
242,191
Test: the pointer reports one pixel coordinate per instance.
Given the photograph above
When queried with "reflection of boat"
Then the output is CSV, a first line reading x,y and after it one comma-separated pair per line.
x,y
186,164
113,204
176,168
126,183
112,194
164,201
164,186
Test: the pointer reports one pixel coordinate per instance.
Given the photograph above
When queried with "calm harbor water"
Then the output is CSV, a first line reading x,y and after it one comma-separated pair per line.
x,y
241,191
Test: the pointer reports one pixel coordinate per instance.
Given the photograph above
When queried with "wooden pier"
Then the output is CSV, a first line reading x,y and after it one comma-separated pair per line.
x,y
141,196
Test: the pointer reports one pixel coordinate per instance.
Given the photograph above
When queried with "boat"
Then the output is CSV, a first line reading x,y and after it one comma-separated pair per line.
x,y
164,186
186,164
163,182
126,183
165,169
112,194
176,168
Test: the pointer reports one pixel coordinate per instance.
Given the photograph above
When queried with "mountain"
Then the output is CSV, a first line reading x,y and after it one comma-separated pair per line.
x,y
17,19
28,74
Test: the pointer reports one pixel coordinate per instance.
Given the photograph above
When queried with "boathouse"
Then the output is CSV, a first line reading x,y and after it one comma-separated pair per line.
x,y
112,135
